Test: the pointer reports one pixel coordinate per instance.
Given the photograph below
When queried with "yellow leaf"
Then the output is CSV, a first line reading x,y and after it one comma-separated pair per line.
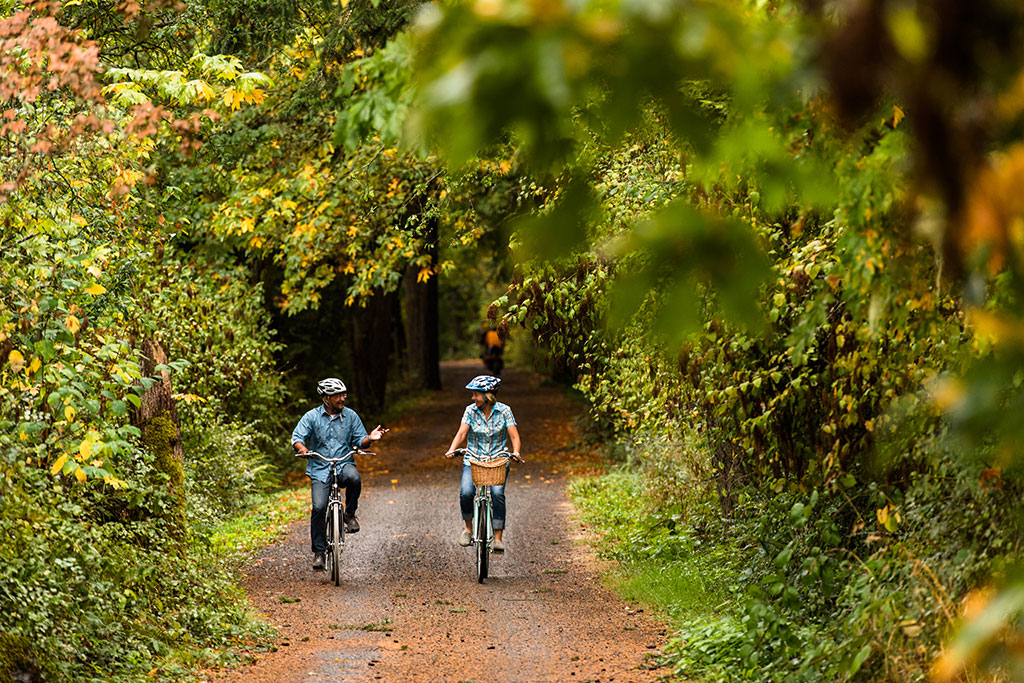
x,y
897,115
423,275
95,289
59,465
188,398
948,393
233,98
85,449
73,324
16,360
36,364
69,413
80,475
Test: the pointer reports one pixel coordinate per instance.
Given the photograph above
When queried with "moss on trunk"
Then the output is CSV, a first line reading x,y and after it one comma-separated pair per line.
x,y
159,436
17,661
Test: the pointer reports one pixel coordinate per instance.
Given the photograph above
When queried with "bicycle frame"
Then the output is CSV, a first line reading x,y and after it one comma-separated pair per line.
x,y
482,505
483,515
335,510
335,513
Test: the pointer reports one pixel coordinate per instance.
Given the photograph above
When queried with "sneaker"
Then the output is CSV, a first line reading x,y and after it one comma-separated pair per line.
x,y
318,562
466,538
498,546
351,524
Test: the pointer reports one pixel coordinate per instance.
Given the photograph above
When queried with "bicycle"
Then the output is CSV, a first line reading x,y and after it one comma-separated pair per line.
x,y
487,471
335,514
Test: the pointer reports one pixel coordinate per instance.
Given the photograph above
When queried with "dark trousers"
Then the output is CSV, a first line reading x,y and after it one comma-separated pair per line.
x,y
348,478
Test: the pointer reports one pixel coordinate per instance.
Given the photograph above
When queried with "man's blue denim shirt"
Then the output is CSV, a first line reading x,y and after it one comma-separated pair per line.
x,y
331,438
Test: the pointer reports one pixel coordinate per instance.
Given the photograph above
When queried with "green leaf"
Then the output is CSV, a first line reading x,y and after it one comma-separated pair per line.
x,y
859,660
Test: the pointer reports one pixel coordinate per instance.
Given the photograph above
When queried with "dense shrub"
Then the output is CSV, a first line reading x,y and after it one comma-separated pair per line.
x,y
92,586
818,448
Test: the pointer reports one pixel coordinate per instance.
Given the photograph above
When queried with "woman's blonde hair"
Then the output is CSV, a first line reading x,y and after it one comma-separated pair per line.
x,y
490,398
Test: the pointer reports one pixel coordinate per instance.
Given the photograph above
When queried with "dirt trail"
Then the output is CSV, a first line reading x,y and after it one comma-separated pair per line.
x,y
410,608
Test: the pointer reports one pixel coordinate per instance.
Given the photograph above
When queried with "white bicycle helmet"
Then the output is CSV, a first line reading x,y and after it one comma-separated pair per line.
x,y
484,383
330,386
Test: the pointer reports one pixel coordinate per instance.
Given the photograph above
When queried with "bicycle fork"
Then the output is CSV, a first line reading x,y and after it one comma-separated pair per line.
x,y
335,502
482,505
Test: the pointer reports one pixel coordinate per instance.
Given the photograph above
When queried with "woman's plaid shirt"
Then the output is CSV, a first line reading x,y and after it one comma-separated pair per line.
x,y
487,436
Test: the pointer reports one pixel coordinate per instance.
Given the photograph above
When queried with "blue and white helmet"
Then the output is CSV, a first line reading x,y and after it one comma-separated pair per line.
x,y
484,383
330,386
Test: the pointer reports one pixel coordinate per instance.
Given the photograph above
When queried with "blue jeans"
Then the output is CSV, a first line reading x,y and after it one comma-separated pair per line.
x,y
348,478
467,491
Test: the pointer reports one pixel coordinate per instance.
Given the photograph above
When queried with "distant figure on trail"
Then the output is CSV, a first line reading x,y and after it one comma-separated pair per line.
x,y
488,425
332,430
493,347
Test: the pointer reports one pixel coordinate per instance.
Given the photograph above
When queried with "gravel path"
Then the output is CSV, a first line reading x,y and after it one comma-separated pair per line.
x,y
410,608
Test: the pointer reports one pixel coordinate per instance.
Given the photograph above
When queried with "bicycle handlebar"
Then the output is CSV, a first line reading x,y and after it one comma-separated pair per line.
x,y
485,458
354,451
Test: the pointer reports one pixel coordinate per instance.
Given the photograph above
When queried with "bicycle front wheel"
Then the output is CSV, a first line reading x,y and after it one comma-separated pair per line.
x,y
337,539
483,548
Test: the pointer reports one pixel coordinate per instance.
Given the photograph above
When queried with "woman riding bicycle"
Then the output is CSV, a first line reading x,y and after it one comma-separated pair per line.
x,y
489,425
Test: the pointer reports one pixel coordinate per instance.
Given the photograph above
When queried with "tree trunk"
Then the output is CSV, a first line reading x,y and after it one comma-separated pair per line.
x,y
158,399
157,419
401,344
421,315
371,352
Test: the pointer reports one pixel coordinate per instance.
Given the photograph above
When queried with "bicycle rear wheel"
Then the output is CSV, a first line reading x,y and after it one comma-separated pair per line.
x,y
482,548
337,539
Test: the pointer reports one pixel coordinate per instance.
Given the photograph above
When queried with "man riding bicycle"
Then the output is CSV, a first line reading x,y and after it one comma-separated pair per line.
x,y
334,431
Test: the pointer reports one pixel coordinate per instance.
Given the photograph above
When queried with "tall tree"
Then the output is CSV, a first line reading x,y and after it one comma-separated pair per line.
x,y
421,312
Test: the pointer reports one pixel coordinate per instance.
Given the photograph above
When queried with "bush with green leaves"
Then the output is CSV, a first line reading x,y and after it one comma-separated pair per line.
x,y
225,463
93,586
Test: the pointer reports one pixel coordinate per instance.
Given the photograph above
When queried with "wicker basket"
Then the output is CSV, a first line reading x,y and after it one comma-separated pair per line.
x,y
488,473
